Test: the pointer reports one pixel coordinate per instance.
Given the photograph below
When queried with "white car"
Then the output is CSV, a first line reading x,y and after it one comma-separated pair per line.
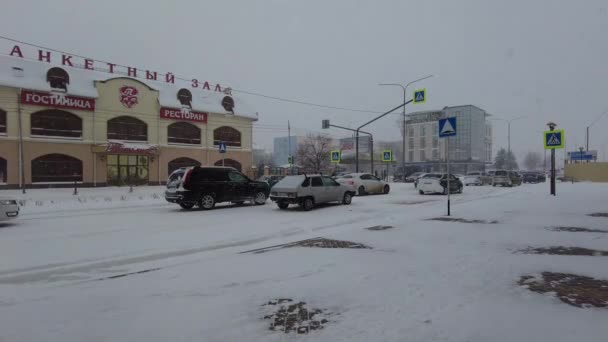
x,y
8,208
472,180
365,183
436,183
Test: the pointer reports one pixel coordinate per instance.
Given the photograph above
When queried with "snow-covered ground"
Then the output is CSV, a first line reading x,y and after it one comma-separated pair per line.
x,y
421,281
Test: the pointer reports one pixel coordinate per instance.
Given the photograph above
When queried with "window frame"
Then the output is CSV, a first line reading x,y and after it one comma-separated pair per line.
x,y
67,160
58,78
120,135
184,124
55,117
3,122
217,139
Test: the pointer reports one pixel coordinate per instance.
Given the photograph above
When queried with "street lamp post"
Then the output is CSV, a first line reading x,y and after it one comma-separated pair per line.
x,y
403,123
509,133
591,124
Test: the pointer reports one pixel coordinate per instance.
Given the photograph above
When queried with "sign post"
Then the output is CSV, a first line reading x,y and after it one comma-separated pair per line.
x,y
447,129
553,139
387,157
222,150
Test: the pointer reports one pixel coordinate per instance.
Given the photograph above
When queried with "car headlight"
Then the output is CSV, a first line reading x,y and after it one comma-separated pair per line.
x,y
8,202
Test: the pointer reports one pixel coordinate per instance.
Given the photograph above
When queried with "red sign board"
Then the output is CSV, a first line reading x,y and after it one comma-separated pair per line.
x,y
182,114
57,100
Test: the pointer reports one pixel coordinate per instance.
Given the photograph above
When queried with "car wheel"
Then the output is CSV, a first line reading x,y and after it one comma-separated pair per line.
x,y
347,199
260,198
207,202
282,205
361,191
186,205
386,189
308,204
421,192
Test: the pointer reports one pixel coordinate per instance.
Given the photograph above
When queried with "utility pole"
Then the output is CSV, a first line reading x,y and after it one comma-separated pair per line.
x,y
552,128
289,147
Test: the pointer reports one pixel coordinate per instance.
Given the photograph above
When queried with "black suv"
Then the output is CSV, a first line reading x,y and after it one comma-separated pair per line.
x,y
206,186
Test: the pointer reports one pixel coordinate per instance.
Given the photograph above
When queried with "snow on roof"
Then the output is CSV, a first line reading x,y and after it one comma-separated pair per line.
x,y
34,77
82,83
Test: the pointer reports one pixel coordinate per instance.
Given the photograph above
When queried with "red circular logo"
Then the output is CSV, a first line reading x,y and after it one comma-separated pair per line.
x,y
128,96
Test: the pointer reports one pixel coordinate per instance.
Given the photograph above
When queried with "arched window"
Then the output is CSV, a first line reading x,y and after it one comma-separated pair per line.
x,y
229,163
127,128
182,162
184,133
58,78
185,97
2,121
56,123
3,170
56,168
227,135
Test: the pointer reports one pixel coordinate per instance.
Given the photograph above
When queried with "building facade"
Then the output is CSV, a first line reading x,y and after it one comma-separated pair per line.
x,y
470,149
62,125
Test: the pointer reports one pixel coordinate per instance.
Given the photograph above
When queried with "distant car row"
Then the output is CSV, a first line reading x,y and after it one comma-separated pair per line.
x,y
494,178
206,186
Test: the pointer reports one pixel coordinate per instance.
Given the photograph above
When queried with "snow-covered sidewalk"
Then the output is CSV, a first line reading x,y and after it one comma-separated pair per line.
x,y
162,274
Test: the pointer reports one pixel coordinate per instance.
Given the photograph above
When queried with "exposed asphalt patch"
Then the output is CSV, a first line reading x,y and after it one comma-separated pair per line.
x,y
576,290
318,242
128,274
461,220
413,202
561,250
599,215
289,317
576,230
379,227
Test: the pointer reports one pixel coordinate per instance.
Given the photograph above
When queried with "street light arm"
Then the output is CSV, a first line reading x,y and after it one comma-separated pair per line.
x,y
381,116
598,118
348,129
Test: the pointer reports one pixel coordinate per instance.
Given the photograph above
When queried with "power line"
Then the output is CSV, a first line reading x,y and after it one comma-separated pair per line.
x,y
306,103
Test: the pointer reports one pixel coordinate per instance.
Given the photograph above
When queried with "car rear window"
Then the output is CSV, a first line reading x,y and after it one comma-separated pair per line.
x,y
432,175
291,181
176,175
500,173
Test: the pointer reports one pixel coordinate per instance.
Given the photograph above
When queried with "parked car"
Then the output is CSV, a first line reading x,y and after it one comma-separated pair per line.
x,y
206,186
412,178
365,183
271,180
437,183
483,177
308,191
473,179
533,177
9,209
515,178
418,179
502,178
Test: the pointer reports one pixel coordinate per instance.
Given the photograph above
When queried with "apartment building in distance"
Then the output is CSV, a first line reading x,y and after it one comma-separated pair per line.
x,y
469,150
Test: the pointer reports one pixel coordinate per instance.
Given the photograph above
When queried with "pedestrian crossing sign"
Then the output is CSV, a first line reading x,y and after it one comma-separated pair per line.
x,y
335,156
420,96
387,156
554,139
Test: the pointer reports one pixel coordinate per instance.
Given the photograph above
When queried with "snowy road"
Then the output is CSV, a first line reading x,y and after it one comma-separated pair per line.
x,y
153,272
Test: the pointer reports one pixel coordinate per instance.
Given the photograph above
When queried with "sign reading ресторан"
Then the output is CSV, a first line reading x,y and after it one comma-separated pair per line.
x,y
180,114
57,100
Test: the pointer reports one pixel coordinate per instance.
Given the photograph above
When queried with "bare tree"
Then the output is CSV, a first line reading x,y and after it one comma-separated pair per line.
x,y
532,160
313,153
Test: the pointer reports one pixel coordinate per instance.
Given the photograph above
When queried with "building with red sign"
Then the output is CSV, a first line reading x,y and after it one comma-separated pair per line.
x,y
60,124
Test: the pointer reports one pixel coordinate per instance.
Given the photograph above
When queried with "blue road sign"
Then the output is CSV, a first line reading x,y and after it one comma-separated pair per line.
x,y
554,139
447,127
222,147
581,155
419,96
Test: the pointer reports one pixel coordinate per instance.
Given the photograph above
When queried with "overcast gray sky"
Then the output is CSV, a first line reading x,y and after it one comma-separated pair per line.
x,y
547,59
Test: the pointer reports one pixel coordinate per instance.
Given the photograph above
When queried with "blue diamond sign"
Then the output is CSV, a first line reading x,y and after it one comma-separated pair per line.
x,y
420,96
447,127
222,147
